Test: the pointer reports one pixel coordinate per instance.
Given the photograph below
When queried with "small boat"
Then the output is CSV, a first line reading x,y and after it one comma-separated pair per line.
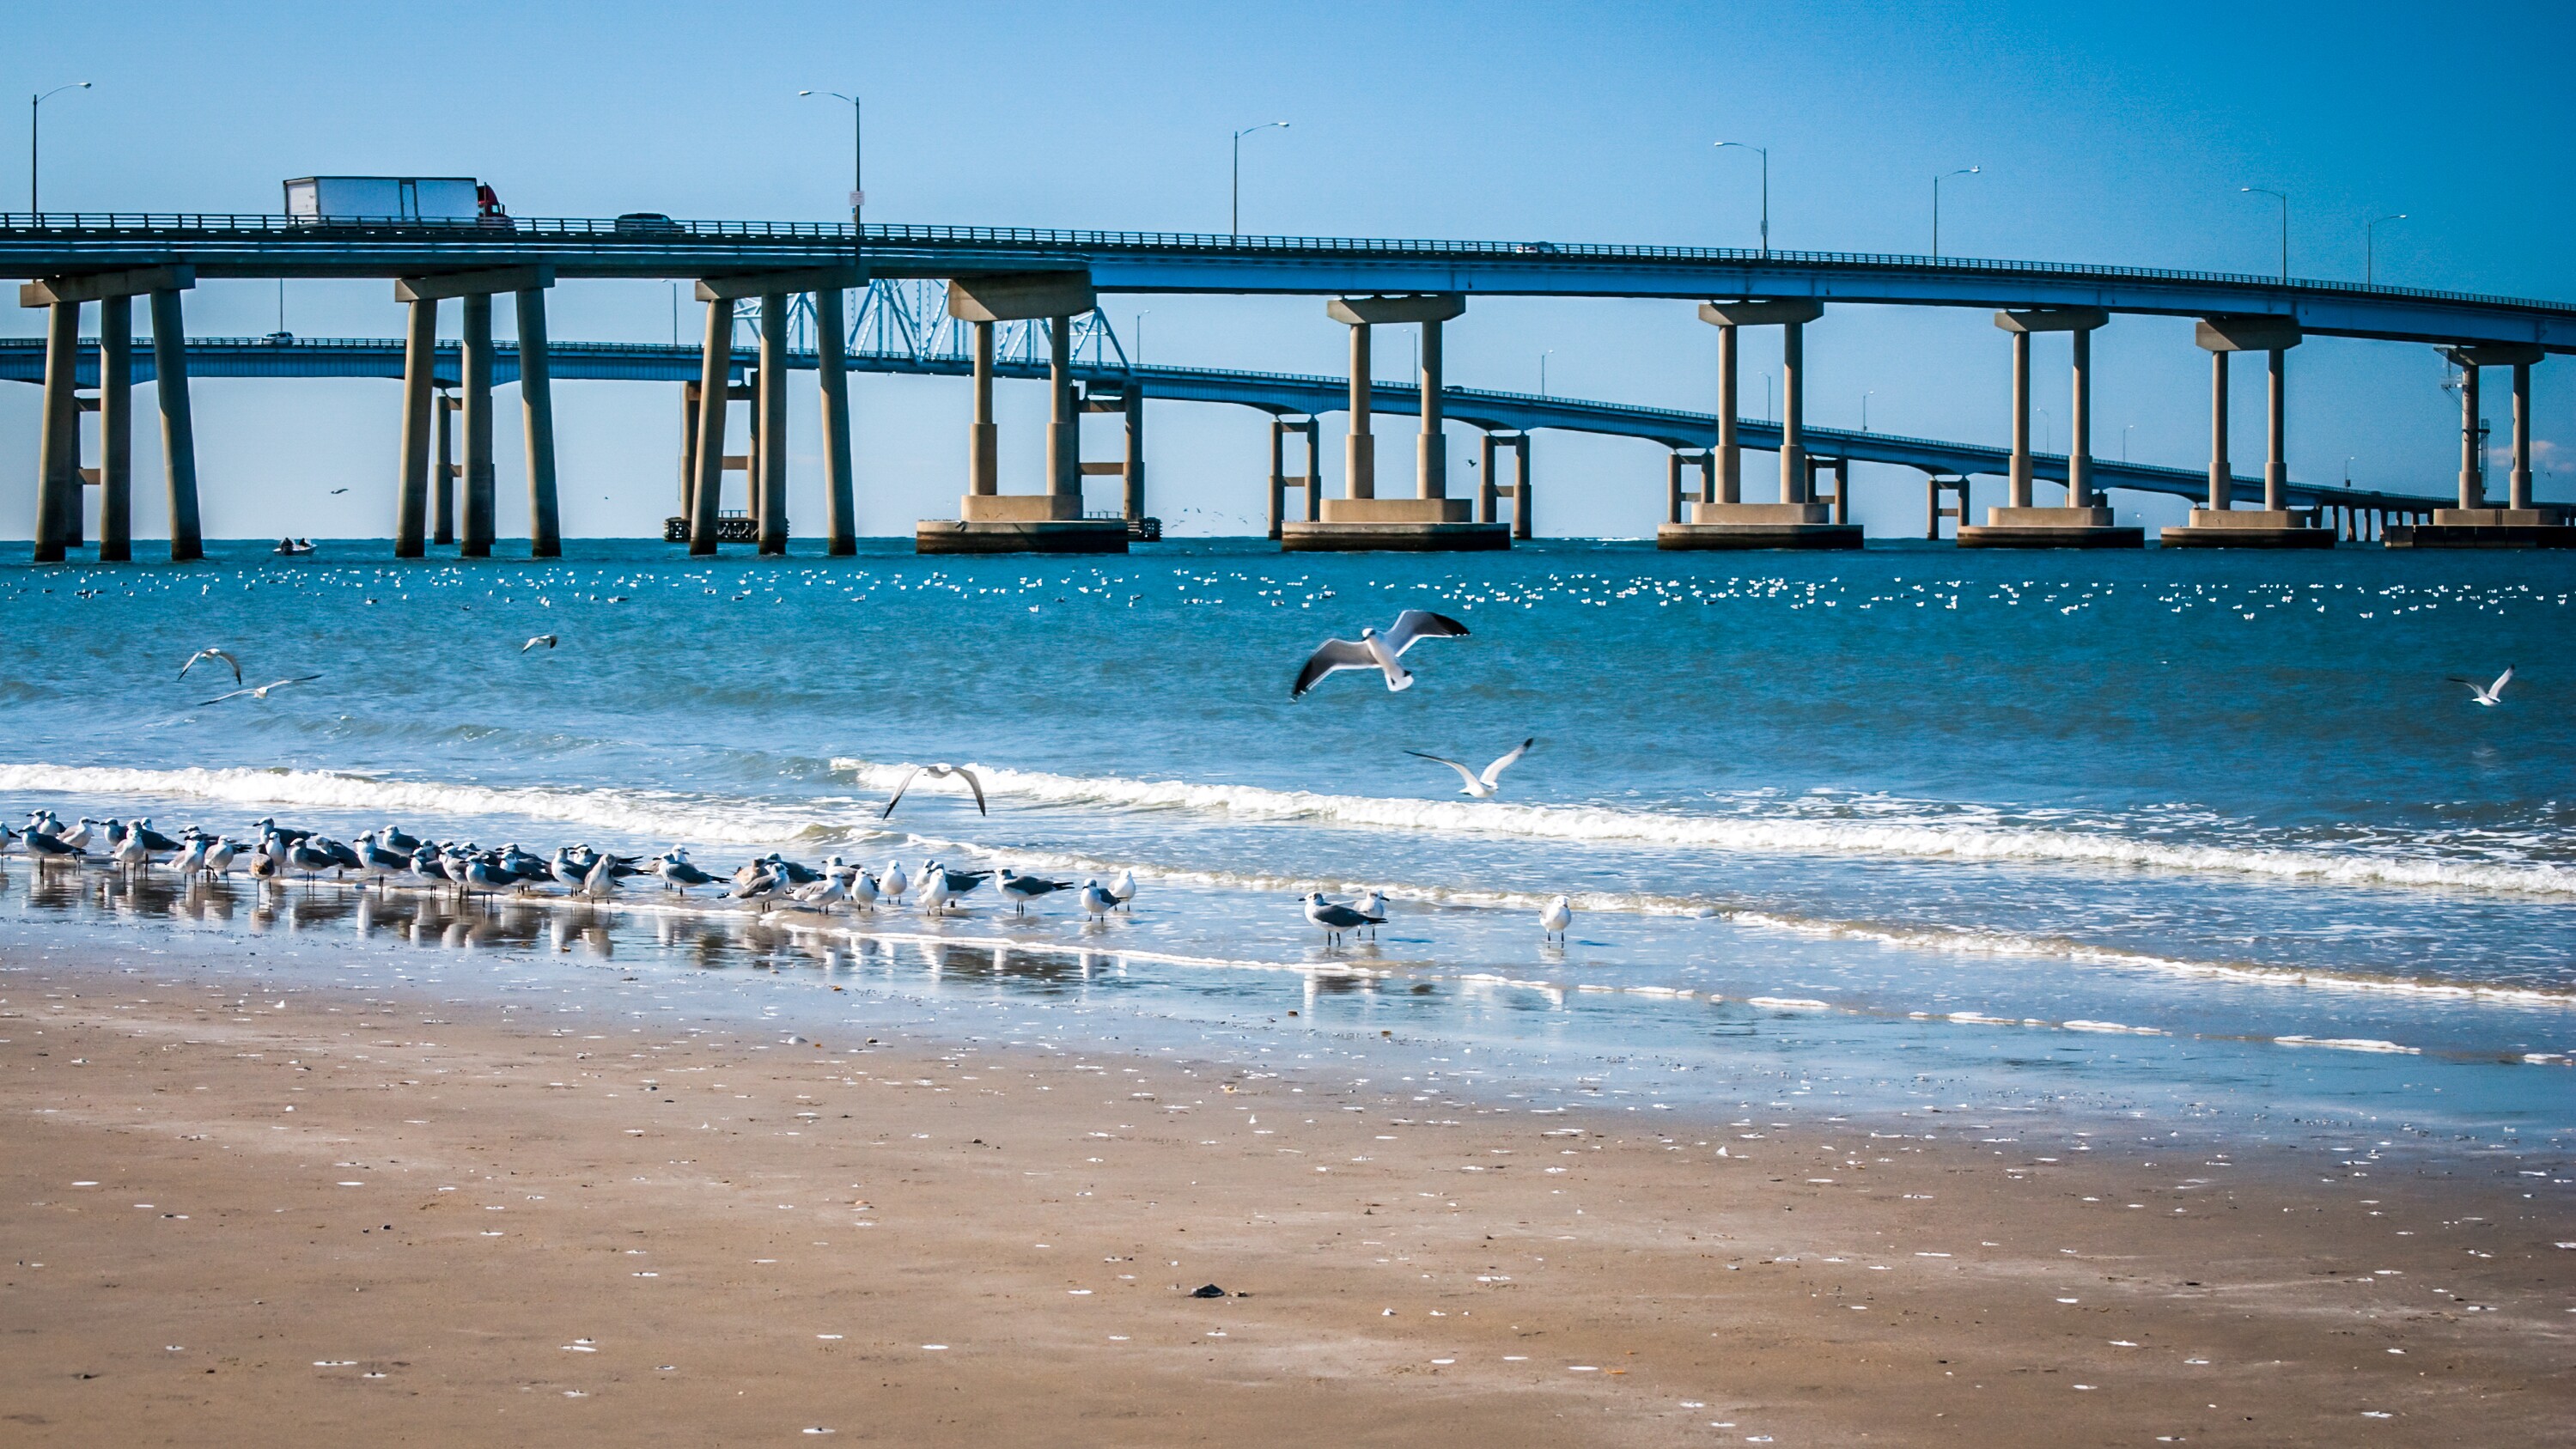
x,y
293,547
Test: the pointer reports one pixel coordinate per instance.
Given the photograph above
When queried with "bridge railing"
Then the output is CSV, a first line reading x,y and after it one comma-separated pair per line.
x,y
647,232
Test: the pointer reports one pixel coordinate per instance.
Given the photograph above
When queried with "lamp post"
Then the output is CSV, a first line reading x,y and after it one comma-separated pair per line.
x,y
2370,247
1140,335
1936,203
858,159
1542,370
2284,199
1864,409
1234,219
35,119
1765,153
2125,430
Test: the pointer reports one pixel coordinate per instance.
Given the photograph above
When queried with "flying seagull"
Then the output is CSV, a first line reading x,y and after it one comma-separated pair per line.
x,y
938,772
1373,650
2489,695
1488,784
262,691
211,654
547,640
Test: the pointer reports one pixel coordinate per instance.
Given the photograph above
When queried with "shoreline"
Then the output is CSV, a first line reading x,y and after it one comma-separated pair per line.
x,y
1415,1260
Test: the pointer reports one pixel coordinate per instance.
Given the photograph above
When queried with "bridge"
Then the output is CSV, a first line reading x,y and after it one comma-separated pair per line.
x,y
1047,282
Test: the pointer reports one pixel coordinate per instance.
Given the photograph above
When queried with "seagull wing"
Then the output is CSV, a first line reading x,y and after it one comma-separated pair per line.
x,y
218,699
547,640
1335,654
1415,624
2501,681
262,691
1494,771
975,785
900,786
211,654
1463,773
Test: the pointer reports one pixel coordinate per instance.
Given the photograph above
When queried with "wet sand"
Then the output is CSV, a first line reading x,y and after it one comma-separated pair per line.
x,y
317,1217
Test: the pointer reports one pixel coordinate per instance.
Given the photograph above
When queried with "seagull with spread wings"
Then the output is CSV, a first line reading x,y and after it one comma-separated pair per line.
x,y
2489,695
1488,784
261,691
1373,650
547,640
937,772
211,653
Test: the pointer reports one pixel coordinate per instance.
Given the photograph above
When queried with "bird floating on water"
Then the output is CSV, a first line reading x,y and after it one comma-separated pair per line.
x,y
261,691
1488,784
1373,650
2489,695
938,772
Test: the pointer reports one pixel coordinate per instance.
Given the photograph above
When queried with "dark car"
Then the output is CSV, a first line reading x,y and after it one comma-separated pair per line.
x,y
647,223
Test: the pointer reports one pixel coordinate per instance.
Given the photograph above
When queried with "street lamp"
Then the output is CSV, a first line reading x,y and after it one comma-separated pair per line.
x,y
1234,225
2284,199
1765,153
1140,335
1542,370
2370,247
35,117
2125,430
1936,203
858,159
1864,409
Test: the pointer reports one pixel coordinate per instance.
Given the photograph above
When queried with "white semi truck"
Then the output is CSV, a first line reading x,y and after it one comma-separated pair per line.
x,y
396,198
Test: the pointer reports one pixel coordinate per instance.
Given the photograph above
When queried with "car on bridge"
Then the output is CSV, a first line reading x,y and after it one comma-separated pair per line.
x,y
647,223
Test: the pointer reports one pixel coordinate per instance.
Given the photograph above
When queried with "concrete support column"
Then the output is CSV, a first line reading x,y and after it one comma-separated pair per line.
x,y
58,484
2473,492
2518,482
2222,482
442,469
2019,477
476,352
715,379
2276,467
1488,493
1359,462
1064,423
1431,457
1730,454
1931,509
983,441
1134,400
1278,476
537,413
116,430
1521,486
772,402
1793,413
1313,428
831,341
420,383
1673,487
178,428
688,449
1842,490
2079,437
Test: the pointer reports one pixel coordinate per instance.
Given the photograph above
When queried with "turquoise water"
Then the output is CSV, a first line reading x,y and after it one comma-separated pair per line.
x,y
2083,826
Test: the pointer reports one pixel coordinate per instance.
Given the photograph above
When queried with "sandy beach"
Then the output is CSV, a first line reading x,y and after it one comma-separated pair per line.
x,y
248,1215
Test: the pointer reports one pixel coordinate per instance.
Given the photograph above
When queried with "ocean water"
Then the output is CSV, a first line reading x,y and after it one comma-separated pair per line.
x,y
2183,833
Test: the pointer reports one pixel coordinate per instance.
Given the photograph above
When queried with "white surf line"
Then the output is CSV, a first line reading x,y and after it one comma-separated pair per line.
x,y
1734,833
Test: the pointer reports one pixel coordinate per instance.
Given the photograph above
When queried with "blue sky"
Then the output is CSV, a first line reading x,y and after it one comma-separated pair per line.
x,y
2105,133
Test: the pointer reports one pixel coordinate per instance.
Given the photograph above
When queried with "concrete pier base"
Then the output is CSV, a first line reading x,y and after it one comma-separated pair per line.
x,y
2486,528
1394,525
2248,528
2050,528
1758,525
1031,535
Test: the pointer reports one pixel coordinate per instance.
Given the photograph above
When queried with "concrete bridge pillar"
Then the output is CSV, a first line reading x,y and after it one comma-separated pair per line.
x,y
1064,422
2079,434
58,485
715,379
1134,473
2017,494
1719,518
2083,522
116,430
831,340
771,454
2473,490
2222,524
420,364
1359,456
1431,456
1281,480
2474,523
2518,482
475,363
1793,413
537,414
178,427
442,468
1730,454
983,443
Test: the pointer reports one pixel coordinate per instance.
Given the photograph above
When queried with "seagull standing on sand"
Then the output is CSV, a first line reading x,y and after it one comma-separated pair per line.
x,y
1123,889
219,856
2489,695
1373,650
1372,902
1488,784
1023,889
1336,919
1097,902
895,883
204,654
1558,915
938,772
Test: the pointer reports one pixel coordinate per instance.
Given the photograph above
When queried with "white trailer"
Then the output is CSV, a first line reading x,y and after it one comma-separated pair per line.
x,y
406,198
